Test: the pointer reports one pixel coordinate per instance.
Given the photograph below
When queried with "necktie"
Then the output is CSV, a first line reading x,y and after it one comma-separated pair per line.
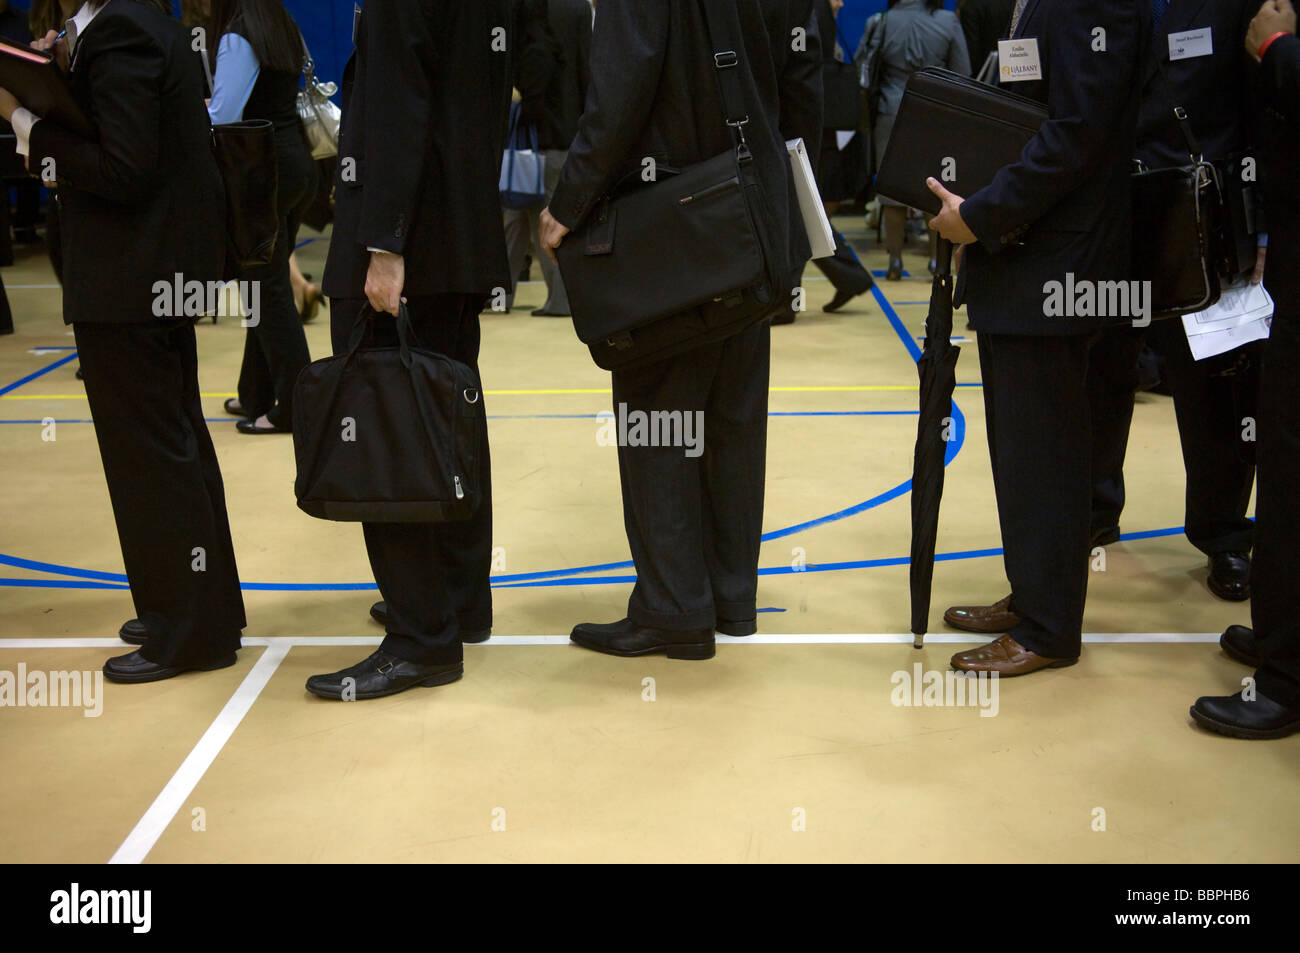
x,y
1158,8
70,37
1015,16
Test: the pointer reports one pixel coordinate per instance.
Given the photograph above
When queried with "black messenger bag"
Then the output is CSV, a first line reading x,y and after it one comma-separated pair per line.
x,y
658,270
1175,214
388,434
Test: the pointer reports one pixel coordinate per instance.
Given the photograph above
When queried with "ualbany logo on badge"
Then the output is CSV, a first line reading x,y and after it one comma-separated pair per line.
x,y
1019,61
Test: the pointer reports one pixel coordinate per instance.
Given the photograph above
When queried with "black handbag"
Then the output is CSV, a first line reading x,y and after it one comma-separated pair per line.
x,y
957,130
388,434
842,94
245,154
660,269
1175,213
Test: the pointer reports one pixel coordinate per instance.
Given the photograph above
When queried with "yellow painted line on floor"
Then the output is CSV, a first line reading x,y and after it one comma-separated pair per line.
x,y
546,392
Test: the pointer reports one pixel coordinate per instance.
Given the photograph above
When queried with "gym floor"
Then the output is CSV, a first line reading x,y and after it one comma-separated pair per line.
x,y
788,746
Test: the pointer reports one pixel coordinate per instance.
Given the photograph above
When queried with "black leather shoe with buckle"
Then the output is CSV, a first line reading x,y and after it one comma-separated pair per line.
x,y
381,675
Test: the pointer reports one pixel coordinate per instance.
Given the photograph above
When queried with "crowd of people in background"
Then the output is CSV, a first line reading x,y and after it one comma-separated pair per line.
x,y
422,230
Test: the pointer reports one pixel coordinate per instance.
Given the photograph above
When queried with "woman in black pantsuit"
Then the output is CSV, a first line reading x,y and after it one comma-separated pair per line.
x,y
142,202
259,59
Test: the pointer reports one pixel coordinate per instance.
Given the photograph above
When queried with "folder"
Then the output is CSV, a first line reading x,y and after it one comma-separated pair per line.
x,y
38,83
815,221
957,130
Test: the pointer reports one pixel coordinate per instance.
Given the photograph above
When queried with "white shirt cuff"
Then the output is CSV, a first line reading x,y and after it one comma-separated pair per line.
x,y
22,121
380,251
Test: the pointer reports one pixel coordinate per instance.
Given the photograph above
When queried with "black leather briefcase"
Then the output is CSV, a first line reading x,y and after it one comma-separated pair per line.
x,y
957,130
388,434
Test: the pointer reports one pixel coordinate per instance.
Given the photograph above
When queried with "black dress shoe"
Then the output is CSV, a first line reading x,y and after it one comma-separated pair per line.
x,y
133,632
727,627
233,407
1238,643
1230,576
1104,537
134,668
379,612
841,298
381,675
1232,715
250,426
626,638
784,316
895,272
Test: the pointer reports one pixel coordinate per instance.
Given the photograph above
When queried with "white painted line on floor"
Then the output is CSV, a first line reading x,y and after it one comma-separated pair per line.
x,y
146,833
864,638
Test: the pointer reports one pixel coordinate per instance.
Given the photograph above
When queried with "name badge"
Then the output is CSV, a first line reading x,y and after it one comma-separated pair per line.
x,y
356,21
1018,60
1193,43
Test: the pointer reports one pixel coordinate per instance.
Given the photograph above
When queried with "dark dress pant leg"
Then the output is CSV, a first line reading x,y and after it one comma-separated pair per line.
x,y
165,485
276,349
1041,446
1220,466
1112,389
1275,575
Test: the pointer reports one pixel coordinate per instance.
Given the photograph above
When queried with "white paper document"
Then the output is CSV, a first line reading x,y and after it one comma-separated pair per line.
x,y
815,221
1242,314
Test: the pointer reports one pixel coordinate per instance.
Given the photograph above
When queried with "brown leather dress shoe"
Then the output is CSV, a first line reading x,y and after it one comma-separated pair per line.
x,y
990,619
1007,657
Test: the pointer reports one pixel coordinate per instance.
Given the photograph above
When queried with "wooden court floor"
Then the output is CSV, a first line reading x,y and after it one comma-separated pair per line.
x,y
795,745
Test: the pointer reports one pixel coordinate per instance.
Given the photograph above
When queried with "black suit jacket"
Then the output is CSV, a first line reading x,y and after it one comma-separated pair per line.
x,y
145,200
654,93
984,22
1065,206
1215,90
425,102
555,68
1279,133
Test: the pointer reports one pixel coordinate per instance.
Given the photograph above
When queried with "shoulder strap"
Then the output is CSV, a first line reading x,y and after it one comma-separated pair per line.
x,y
1180,115
726,60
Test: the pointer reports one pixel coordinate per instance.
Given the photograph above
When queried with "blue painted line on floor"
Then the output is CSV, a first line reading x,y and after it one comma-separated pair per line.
x,y
569,576
41,373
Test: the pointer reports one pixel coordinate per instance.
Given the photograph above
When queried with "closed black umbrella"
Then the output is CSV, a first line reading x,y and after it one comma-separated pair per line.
x,y
938,370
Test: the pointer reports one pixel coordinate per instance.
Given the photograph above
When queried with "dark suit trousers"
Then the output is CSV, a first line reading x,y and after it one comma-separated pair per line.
x,y
165,486
1209,407
1275,576
275,349
844,269
695,524
1036,407
434,576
